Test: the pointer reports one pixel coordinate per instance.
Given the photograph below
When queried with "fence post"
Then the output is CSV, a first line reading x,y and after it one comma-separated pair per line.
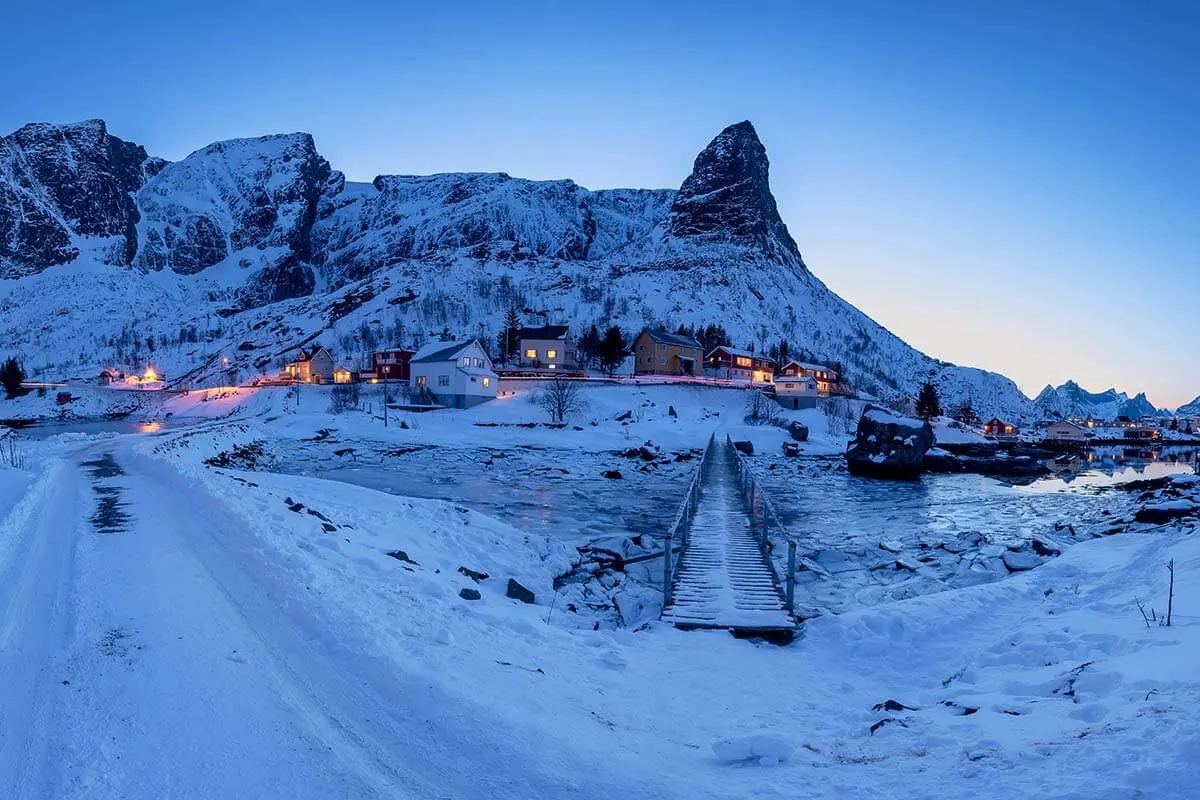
x,y
667,571
791,577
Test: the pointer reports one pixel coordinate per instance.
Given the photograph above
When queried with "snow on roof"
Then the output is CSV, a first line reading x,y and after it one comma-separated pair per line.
x,y
440,351
744,353
807,365
544,332
662,337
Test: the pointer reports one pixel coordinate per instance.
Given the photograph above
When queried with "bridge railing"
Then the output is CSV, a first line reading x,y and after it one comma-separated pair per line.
x,y
681,528
765,522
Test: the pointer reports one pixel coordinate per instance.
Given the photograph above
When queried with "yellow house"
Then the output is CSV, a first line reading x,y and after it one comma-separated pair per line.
x,y
662,353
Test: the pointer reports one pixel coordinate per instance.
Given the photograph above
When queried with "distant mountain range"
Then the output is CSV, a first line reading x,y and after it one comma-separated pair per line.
x,y
1071,400
249,248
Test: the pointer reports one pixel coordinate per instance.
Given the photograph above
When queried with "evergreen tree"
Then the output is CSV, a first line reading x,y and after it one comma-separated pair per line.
x,y
613,350
508,342
11,377
928,403
587,347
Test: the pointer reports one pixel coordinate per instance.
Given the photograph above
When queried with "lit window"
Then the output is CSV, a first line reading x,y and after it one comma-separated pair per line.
x,y
443,380
551,354
487,382
531,353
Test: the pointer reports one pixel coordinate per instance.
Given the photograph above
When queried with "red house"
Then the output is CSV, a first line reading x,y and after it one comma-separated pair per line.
x,y
998,427
738,365
388,365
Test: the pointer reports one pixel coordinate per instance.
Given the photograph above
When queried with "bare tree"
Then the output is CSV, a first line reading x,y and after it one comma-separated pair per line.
x,y
760,409
560,398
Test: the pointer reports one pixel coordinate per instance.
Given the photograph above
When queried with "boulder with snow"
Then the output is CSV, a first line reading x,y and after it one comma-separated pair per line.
x,y
889,445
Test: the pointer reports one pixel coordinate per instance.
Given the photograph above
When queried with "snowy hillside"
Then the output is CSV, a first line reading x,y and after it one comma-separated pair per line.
x,y
246,249
1072,401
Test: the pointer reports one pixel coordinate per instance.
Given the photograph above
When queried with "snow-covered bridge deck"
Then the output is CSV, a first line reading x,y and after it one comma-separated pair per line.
x,y
724,577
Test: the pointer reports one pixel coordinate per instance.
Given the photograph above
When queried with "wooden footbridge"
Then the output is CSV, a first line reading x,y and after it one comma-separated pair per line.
x,y
724,577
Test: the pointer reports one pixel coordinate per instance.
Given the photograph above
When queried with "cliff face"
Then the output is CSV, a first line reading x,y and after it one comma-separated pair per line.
x,y
61,183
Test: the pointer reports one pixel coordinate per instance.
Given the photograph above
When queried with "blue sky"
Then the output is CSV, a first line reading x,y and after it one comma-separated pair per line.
x,y
1008,185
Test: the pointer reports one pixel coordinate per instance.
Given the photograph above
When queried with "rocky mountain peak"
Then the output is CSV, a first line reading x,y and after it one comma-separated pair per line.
x,y
67,181
728,195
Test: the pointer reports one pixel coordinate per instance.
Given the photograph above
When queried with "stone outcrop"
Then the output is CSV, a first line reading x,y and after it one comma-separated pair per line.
x,y
889,446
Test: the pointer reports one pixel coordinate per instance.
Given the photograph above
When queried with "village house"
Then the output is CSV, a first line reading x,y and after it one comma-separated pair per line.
x,y
315,366
388,365
457,374
1143,433
1065,431
999,428
543,348
796,393
662,353
739,366
826,378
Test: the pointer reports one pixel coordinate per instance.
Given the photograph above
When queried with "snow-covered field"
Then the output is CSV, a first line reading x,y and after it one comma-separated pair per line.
x,y
177,629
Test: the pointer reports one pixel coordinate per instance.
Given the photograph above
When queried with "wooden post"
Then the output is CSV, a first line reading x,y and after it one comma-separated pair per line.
x,y
791,577
667,572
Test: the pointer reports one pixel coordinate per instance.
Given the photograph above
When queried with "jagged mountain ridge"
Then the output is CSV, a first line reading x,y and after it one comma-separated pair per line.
x,y
265,235
1070,400
1191,409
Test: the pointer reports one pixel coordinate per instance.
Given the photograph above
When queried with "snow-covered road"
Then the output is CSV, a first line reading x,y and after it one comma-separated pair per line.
x,y
156,661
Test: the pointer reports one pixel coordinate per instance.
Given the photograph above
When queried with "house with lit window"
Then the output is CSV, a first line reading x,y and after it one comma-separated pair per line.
x,y
739,366
1000,429
310,366
826,378
543,348
662,353
456,374
388,365
796,393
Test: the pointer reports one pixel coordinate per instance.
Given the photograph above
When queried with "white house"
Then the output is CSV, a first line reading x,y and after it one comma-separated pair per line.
x,y
796,393
1063,431
457,374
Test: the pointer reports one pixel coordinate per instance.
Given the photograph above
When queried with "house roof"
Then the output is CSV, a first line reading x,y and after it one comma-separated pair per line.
x,y
744,353
662,337
440,351
807,365
544,332
307,356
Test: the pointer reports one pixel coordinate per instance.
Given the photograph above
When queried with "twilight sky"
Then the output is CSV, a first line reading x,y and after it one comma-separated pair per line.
x,y
1011,185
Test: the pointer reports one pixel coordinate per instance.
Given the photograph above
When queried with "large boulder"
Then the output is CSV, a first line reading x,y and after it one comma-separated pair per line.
x,y
889,445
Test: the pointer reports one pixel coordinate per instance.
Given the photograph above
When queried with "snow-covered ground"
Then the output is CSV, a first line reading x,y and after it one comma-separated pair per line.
x,y
177,629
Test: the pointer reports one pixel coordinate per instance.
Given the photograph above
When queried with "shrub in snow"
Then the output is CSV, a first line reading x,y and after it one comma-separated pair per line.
x,y
767,749
761,410
343,396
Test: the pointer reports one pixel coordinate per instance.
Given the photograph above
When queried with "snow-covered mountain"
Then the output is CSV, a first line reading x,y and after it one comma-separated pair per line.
x,y
248,248
1192,409
1071,400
